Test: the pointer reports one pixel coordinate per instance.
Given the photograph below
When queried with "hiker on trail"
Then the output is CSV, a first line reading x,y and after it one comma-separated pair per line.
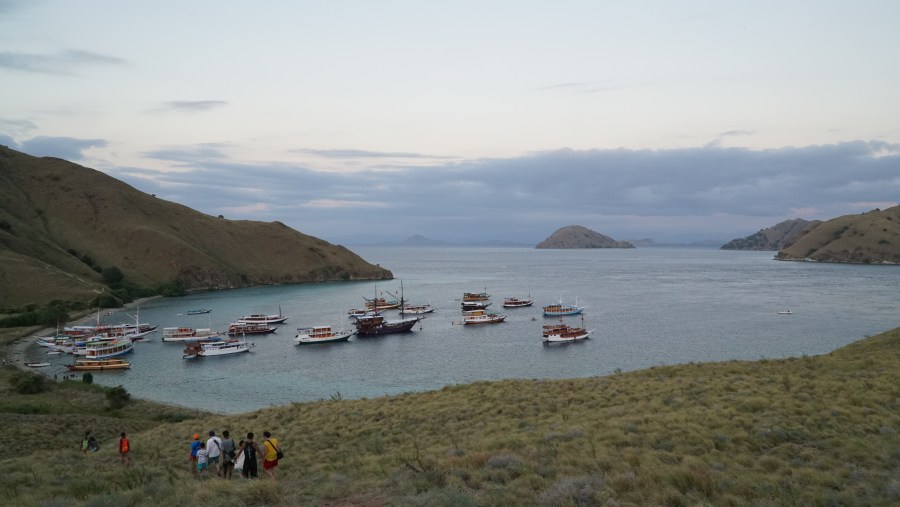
x,y
202,463
251,455
214,451
270,460
124,449
229,452
86,442
195,445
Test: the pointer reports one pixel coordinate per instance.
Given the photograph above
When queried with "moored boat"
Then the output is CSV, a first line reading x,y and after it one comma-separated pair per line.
x,y
380,303
242,328
416,309
562,332
103,349
37,365
482,317
515,302
98,365
377,325
197,312
321,334
559,309
216,348
188,334
258,318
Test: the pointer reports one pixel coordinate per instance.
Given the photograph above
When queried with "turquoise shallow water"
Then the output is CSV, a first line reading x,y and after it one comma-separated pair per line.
x,y
649,307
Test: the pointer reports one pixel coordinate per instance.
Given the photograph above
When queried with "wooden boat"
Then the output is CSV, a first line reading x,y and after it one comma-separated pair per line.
x,y
258,318
216,348
377,325
242,329
98,365
188,334
475,296
515,302
563,333
197,312
559,309
321,334
482,317
379,303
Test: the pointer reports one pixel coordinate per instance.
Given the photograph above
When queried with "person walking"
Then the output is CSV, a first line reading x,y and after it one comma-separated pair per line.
x,y
270,459
229,451
86,442
202,463
251,455
124,449
214,452
195,445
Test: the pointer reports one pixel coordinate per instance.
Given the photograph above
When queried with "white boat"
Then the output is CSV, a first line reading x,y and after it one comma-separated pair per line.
x,y
563,333
559,309
515,302
360,312
784,312
482,317
37,365
416,309
321,334
188,334
104,349
258,318
216,348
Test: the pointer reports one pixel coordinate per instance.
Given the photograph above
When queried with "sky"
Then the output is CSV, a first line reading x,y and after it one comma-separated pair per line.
x,y
363,121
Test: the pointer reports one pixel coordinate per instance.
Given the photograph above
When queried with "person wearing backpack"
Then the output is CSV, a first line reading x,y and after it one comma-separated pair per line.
x,y
251,454
214,451
272,454
229,453
124,449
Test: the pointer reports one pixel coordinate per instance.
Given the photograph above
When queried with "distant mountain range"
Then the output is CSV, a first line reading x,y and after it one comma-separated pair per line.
x,y
577,236
63,227
773,238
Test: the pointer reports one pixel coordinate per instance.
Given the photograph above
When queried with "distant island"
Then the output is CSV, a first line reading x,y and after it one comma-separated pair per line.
x,y
772,238
577,236
69,233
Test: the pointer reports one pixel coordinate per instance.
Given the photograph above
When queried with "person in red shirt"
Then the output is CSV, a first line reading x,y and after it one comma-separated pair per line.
x,y
124,449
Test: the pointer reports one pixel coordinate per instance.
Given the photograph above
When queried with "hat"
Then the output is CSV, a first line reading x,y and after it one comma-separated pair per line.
x,y
196,436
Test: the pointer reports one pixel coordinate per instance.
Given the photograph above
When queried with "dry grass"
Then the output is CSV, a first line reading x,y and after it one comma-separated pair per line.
x,y
804,431
872,237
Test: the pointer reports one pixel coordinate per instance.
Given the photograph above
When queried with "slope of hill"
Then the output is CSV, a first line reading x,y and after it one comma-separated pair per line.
x,y
773,238
868,238
61,222
814,430
576,236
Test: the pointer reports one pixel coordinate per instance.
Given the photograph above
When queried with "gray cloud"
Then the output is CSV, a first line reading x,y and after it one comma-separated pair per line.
x,y
345,154
63,63
16,127
193,106
68,148
678,194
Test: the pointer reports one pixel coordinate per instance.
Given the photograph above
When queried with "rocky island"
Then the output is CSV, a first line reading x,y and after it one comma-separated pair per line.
x,y
577,236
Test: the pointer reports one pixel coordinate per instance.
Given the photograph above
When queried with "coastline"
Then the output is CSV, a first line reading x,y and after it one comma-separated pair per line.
x,y
15,355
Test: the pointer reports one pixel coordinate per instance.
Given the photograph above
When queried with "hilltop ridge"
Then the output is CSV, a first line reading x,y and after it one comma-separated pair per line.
x,y
772,238
62,224
577,236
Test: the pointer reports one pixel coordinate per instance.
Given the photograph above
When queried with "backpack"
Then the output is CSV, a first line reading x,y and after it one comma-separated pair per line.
x,y
123,445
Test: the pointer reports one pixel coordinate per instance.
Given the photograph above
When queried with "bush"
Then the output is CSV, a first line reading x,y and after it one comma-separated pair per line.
x,y
172,289
113,276
117,397
28,383
88,378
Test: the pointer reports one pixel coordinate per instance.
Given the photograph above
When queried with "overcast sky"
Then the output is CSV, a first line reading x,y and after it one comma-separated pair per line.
x,y
469,120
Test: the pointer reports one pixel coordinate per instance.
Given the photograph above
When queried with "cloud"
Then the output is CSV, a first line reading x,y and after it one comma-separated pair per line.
x,y
17,127
344,154
690,194
62,63
193,106
68,148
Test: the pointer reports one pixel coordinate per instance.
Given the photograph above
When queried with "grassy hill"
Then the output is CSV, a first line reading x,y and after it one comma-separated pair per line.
x,y
577,236
821,430
772,238
61,224
872,237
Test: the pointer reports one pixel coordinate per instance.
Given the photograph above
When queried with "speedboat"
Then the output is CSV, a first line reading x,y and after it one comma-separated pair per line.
x,y
321,334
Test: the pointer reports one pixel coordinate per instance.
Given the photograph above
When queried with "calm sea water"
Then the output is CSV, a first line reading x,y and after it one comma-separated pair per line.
x,y
649,307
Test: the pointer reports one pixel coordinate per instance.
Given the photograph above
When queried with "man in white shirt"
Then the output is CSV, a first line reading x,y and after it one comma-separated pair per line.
x,y
214,451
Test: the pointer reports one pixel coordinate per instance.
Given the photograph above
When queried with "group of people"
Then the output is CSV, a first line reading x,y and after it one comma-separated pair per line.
x,y
90,444
224,456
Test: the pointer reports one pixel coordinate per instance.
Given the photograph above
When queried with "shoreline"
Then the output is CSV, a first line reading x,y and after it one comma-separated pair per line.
x,y
15,355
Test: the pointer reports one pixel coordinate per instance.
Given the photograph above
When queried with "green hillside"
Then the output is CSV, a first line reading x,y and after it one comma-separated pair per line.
x,y
872,237
61,224
772,238
821,430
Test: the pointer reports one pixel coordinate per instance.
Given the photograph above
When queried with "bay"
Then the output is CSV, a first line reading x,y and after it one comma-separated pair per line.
x,y
651,306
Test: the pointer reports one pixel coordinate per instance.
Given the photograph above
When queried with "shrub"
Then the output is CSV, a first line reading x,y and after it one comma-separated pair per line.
x,y
117,397
88,378
172,289
28,383
112,275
